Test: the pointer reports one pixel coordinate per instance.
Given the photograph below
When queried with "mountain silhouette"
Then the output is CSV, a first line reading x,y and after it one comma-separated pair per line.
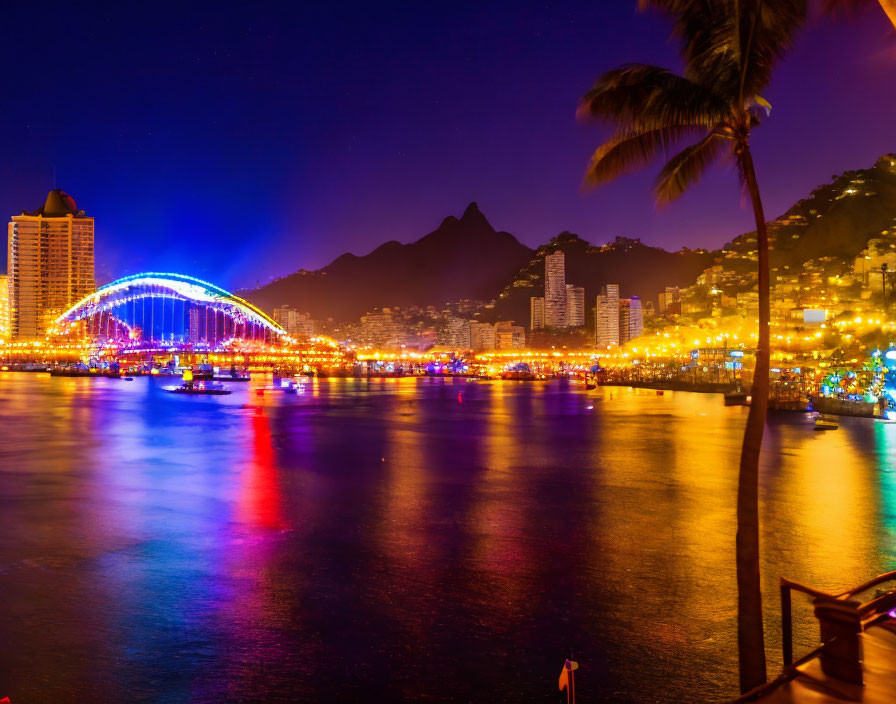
x,y
463,258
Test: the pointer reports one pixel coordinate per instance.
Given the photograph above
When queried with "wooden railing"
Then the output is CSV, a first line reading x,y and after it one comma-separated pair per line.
x,y
841,618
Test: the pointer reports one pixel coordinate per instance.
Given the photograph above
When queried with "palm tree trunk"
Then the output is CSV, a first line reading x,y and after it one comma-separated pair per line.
x,y
750,638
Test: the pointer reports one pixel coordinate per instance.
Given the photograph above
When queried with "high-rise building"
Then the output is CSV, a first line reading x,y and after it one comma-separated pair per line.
x,y
575,306
381,329
555,290
631,319
4,307
195,333
296,323
670,301
509,336
482,336
50,263
606,316
454,332
536,312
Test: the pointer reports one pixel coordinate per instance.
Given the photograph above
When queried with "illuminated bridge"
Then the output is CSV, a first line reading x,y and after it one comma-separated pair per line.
x,y
173,310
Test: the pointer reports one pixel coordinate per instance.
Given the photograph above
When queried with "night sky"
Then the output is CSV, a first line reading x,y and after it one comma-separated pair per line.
x,y
246,141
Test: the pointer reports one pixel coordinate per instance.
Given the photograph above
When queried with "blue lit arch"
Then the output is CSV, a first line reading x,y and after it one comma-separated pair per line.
x,y
163,307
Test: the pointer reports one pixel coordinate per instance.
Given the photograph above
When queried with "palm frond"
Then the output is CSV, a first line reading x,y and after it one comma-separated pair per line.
x,y
685,168
733,44
625,152
767,31
640,97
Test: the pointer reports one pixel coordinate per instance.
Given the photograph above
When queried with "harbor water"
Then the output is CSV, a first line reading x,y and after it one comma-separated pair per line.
x,y
407,539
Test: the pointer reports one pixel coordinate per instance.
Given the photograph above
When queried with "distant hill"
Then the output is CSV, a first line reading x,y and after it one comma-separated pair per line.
x,y
836,220
640,270
467,258
462,258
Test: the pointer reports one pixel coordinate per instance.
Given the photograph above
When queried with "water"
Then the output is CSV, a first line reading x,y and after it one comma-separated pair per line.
x,y
405,540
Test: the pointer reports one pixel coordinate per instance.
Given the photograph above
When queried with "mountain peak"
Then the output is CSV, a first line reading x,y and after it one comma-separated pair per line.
x,y
474,218
436,268
472,211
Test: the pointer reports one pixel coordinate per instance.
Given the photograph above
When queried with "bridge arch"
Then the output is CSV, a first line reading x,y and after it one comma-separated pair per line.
x,y
156,307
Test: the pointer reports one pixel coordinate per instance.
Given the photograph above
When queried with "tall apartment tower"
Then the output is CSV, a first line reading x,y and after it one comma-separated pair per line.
x,y
536,312
635,318
482,336
575,306
295,322
606,316
631,319
50,263
4,307
555,290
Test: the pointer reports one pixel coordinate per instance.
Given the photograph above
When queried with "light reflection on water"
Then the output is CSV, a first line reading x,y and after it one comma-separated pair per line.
x,y
405,538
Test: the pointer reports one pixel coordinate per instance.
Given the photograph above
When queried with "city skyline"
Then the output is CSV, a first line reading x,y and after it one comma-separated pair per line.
x,y
419,352
176,187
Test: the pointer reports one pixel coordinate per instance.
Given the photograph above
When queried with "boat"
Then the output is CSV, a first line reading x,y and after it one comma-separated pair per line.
x,y
843,406
737,398
826,421
518,372
589,386
788,404
232,375
77,371
27,367
189,389
201,372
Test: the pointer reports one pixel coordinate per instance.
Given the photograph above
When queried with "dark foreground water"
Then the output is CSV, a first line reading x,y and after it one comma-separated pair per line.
x,y
404,540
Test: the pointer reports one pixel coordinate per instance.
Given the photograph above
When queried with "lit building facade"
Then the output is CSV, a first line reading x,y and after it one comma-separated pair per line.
x,y
380,329
536,312
509,336
454,333
50,264
555,290
482,336
670,301
631,319
606,317
296,323
4,307
575,306
195,316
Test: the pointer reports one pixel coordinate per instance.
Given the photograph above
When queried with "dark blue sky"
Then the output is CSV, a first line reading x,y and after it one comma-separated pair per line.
x,y
246,140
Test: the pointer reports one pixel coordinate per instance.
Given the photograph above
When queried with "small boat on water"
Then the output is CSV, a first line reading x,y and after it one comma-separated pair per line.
x,y
737,398
191,387
200,389
589,386
826,421
232,375
111,372
518,372
201,372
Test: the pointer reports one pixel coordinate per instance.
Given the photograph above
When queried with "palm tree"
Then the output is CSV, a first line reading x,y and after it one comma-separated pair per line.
x,y
729,48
